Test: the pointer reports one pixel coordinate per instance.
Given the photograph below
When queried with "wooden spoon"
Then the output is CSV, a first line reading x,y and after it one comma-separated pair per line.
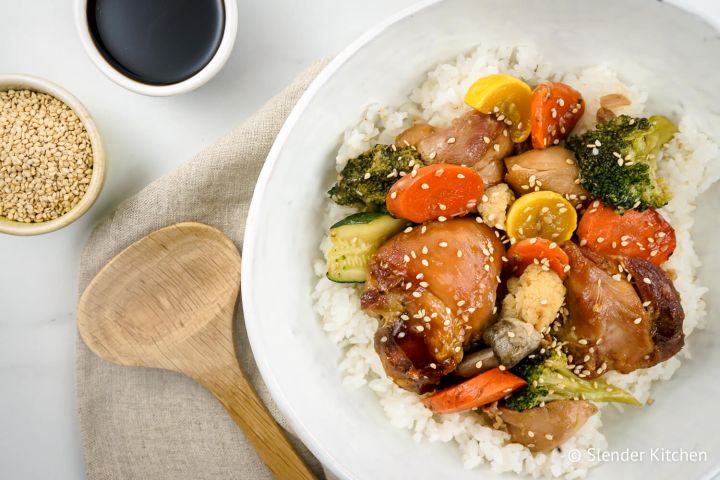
x,y
168,301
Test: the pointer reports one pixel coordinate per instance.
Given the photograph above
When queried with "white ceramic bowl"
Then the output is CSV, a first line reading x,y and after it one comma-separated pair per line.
x,y
200,78
347,429
97,180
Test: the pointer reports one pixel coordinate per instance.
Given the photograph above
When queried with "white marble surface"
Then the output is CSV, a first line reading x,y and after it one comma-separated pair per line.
x,y
145,138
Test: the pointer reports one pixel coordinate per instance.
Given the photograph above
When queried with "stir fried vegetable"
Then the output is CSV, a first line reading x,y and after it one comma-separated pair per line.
x,y
366,179
555,109
618,161
541,214
549,378
638,234
435,192
485,388
537,250
507,97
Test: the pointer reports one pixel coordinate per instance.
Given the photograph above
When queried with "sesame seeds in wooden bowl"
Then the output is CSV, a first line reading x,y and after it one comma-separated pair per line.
x,y
52,162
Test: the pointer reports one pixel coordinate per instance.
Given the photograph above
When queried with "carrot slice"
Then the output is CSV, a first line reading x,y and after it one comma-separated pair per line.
x,y
643,234
555,108
439,190
537,250
485,388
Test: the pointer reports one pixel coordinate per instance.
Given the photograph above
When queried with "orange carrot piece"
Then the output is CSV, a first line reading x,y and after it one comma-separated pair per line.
x,y
528,251
485,388
434,191
643,234
555,108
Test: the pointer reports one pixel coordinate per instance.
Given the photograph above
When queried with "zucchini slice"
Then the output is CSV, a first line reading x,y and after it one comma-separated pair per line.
x,y
354,240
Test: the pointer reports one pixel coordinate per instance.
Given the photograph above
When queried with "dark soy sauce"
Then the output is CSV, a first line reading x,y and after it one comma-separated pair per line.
x,y
158,42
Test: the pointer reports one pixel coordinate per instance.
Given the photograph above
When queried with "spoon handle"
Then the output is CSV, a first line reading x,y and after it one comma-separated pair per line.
x,y
232,389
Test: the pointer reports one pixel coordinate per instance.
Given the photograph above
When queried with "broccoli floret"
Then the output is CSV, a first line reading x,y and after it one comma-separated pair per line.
x,y
549,378
617,161
365,181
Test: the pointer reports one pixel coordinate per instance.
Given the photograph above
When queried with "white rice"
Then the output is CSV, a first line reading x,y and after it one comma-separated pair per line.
x,y
687,164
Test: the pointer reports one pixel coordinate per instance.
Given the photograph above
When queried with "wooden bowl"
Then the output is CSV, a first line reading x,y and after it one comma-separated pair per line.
x,y
27,82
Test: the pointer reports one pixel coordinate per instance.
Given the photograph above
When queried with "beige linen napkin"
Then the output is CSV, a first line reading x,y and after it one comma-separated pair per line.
x,y
149,424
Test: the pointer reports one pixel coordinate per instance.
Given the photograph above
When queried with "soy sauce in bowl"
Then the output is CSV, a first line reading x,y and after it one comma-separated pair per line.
x,y
157,42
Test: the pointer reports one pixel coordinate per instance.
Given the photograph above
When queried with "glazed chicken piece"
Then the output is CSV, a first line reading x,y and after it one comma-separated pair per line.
x,y
554,169
473,139
542,429
616,324
433,291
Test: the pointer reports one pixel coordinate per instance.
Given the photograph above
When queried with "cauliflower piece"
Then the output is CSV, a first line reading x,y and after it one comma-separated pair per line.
x,y
495,204
535,297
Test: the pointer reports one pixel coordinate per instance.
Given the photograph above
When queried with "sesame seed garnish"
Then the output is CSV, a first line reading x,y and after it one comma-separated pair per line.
x,y
647,281
451,140
393,195
583,242
416,294
637,321
496,147
502,368
460,176
459,253
423,229
511,334
439,172
647,304
425,186
595,151
425,262
533,241
600,239
383,340
424,284
442,206
441,218
432,155
443,244
408,230
406,258
419,328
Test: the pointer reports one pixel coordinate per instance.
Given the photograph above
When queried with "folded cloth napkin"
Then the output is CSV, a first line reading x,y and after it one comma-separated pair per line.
x,y
144,424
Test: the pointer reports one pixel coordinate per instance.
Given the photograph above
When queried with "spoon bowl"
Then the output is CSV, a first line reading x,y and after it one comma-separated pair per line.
x,y
168,301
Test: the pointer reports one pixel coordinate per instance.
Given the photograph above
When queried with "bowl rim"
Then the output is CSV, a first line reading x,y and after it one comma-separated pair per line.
x,y
214,66
97,179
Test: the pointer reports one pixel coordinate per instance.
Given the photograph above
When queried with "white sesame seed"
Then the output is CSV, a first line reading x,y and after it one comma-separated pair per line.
x,y
451,140
416,294
637,321
441,218
406,258
393,195
647,281
419,328
459,253
442,206
366,176
496,147
408,230
432,155
443,244
460,176
425,262
425,186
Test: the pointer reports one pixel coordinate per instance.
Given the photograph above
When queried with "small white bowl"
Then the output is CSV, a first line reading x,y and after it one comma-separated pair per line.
x,y
36,84
200,78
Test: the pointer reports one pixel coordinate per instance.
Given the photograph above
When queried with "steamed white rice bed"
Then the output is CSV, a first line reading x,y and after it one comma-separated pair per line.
x,y
687,164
